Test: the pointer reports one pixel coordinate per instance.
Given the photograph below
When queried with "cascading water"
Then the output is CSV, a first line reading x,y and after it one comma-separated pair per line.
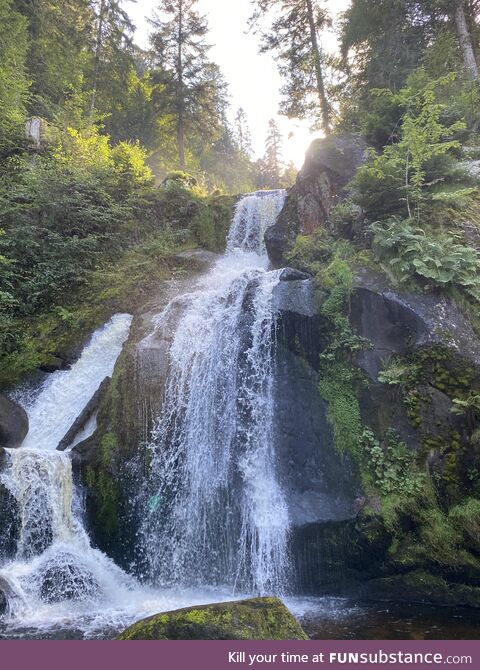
x,y
54,561
215,522
216,512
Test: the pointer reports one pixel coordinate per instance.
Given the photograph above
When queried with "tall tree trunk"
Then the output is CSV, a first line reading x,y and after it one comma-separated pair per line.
x,y
324,106
465,40
180,92
97,57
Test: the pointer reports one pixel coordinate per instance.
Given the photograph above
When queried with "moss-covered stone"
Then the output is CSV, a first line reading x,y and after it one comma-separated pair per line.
x,y
255,619
422,587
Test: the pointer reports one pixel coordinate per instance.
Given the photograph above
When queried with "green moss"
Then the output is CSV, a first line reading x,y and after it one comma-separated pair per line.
x,y
255,619
103,486
336,387
466,518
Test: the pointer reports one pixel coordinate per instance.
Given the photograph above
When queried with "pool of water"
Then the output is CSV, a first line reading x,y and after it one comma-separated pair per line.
x,y
344,620
326,618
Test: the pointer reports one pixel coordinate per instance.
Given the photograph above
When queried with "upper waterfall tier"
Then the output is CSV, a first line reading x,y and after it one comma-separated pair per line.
x,y
254,213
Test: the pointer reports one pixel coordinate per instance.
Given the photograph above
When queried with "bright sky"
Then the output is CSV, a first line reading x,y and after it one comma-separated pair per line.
x,y
253,79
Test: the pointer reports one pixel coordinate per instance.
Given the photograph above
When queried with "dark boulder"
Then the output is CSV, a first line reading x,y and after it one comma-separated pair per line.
x,y
330,164
395,322
63,578
13,423
6,593
255,619
290,274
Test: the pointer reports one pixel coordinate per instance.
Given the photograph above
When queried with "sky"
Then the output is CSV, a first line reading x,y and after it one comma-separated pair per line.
x,y
253,79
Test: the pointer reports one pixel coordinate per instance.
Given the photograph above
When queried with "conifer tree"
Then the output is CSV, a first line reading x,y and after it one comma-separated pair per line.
x,y
193,88
242,133
112,46
271,166
294,36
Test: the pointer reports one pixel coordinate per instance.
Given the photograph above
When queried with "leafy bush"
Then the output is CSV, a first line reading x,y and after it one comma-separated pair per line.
x,y
440,261
397,178
392,464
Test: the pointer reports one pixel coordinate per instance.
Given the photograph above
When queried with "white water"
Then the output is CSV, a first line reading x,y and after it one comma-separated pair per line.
x,y
215,512
56,572
65,393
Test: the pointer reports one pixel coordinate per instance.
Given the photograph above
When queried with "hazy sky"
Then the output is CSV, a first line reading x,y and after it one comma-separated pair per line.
x,y
253,79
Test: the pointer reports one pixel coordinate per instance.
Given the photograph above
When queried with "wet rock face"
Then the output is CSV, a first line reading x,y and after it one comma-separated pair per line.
x,y
319,484
330,165
254,619
13,423
395,322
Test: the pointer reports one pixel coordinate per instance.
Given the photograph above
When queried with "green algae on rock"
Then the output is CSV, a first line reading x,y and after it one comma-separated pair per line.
x,y
254,619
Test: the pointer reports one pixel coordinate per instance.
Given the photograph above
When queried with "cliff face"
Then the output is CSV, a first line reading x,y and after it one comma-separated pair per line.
x,y
330,164
397,372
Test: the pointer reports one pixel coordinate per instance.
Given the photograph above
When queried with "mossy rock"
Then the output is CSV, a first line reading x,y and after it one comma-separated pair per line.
x,y
255,619
422,587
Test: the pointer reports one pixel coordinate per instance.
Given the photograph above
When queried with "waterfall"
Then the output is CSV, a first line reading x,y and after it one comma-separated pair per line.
x,y
54,561
215,521
215,511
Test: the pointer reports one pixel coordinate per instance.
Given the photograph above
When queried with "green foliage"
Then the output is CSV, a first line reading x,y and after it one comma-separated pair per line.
x,y
338,378
311,252
397,372
337,387
466,517
13,79
439,260
392,464
399,173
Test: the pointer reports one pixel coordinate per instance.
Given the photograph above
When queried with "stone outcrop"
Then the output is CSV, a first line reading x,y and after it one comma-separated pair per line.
x,y
330,165
13,423
320,484
255,619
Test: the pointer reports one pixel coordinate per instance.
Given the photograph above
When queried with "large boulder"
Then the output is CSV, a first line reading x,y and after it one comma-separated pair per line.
x,y
65,578
13,423
330,164
255,619
6,593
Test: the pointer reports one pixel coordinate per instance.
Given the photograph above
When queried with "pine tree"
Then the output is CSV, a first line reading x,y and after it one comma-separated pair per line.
x,y
242,133
192,86
58,41
272,166
294,35
112,48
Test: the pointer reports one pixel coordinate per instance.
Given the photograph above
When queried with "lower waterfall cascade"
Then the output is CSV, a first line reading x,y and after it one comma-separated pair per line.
x,y
215,521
